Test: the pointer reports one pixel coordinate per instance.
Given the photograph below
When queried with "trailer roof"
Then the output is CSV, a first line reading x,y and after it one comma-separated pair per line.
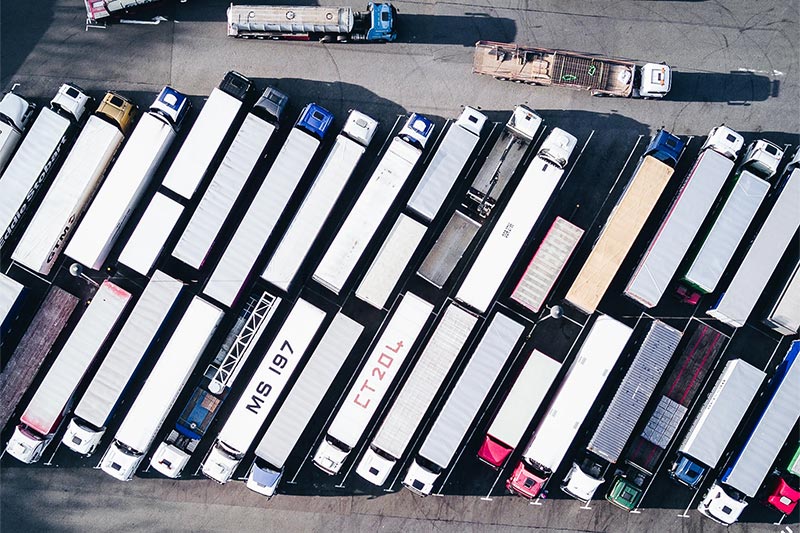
x,y
10,290
154,228
448,249
785,315
470,391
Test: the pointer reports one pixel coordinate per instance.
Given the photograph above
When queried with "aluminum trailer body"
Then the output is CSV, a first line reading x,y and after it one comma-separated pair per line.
x,y
518,408
41,419
416,396
370,208
10,291
462,404
328,24
218,199
207,134
196,417
677,394
303,400
262,392
514,224
625,409
601,76
41,148
785,314
349,147
745,471
547,263
393,257
373,381
94,410
567,411
268,205
128,179
159,392
448,249
727,232
447,164
45,327
713,427
625,223
678,229
154,228
776,234
74,186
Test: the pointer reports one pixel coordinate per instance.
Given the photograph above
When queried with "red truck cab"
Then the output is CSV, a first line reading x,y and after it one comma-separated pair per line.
x,y
525,483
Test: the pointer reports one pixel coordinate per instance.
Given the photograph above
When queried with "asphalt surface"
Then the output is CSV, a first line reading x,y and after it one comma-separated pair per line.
x,y
736,63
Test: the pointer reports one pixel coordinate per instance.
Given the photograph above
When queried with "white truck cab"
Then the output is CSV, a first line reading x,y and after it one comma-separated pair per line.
x,y
263,478
72,100
171,106
15,114
656,80
80,438
558,147
169,460
416,131
419,479
219,465
329,456
579,484
762,158
471,120
721,507
524,122
375,467
120,462
725,141
26,446
360,127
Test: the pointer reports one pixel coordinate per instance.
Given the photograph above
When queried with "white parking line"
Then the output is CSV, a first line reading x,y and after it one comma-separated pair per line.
x,y
685,513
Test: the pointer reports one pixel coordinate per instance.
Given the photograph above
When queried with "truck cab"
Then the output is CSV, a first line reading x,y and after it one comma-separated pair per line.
x,y
524,122
118,110
71,100
236,85
626,493
375,466
82,437
655,80
687,472
419,478
762,158
220,463
120,462
272,104
15,111
26,445
360,127
171,107
725,141
558,147
314,120
416,131
263,478
382,20
169,460
331,455
720,506
665,147
472,120
526,483
581,484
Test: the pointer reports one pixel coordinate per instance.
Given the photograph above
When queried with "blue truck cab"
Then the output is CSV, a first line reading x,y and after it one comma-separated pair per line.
x,y
687,472
314,120
416,131
382,24
665,147
171,106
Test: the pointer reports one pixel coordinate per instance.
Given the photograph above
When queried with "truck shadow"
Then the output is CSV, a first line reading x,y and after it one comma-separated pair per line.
x,y
735,88
22,25
464,29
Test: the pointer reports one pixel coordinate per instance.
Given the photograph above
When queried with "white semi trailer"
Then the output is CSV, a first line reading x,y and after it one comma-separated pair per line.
x,y
15,116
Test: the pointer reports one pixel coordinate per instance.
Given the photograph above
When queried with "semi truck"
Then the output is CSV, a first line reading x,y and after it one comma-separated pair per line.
x,y
306,23
685,216
75,184
371,384
10,292
261,394
733,219
745,471
416,396
645,453
518,409
207,135
784,317
270,201
348,149
15,115
27,172
145,244
712,428
237,165
601,76
623,226
93,412
161,390
370,208
566,413
547,263
393,257
462,404
489,183
735,305
196,417
447,164
128,179
37,341
516,221
620,417
303,400
43,416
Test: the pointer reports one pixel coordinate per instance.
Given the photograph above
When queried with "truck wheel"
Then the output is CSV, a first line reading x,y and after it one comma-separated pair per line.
x,y
326,39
